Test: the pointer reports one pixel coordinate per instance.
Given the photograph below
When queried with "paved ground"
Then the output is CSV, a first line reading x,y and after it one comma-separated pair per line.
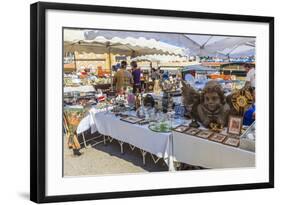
x,y
107,159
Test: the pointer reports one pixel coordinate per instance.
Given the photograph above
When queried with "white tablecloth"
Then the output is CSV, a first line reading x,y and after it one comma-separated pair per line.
x,y
88,121
201,152
137,135
84,125
92,119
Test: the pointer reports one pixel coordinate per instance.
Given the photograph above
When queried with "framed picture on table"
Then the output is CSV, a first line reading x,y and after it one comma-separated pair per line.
x,y
232,141
131,119
204,134
216,137
181,128
88,44
235,124
192,131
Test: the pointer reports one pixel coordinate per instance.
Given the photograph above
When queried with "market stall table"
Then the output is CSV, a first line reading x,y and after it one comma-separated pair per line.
x,y
92,112
205,153
135,135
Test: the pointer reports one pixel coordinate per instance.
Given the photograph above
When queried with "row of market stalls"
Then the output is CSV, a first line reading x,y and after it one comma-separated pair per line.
x,y
159,120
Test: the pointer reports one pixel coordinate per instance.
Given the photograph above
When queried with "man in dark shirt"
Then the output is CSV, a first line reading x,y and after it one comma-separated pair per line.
x,y
136,72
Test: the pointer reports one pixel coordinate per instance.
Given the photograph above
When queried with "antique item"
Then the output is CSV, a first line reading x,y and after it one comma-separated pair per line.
x,y
192,131
232,141
204,134
149,86
179,110
131,99
162,126
234,125
131,119
209,106
216,127
194,123
167,101
180,128
217,137
138,101
241,100
71,119
143,122
148,101
167,86
157,88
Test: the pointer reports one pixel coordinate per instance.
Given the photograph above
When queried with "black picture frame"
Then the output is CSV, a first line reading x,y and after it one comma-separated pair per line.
x,y
38,100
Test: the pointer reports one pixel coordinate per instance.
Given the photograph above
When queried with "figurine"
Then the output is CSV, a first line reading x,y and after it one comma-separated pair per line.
x,y
208,107
157,88
167,102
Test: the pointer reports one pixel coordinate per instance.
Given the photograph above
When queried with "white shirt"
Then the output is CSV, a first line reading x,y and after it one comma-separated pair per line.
x,y
251,77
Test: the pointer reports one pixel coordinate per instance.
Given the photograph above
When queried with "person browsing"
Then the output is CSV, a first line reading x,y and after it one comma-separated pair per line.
x,y
122,78
136,72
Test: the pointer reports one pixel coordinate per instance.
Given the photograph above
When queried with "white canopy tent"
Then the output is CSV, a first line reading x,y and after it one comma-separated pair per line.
x,y
177,40
208,45
195,44
75,41
239,51
160,58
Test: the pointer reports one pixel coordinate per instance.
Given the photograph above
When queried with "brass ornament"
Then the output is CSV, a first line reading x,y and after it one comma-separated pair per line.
x,y
241,100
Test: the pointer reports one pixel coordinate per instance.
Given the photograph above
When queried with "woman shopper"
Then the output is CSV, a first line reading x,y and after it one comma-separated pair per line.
x,y
136,72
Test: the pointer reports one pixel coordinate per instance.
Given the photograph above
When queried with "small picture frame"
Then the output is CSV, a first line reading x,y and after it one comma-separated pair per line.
x,y
204,134
131,119
180,128
143,122
232,141
235,124
216,137
192,131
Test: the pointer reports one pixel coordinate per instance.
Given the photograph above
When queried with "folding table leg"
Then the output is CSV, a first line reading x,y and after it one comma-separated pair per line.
x,y
121,146
104,140
110,139
143,156
155,160
132,147
84,140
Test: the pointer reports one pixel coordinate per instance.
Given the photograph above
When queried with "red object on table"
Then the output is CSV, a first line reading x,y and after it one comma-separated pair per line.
x,y
101,98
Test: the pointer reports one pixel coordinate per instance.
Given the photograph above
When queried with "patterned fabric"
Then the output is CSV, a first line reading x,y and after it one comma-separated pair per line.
x,y
72,118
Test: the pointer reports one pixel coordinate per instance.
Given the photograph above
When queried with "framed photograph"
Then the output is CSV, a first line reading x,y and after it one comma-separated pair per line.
x,y
217,137
235,124
131,119
180,128
192,131
204,134
74,47
232,141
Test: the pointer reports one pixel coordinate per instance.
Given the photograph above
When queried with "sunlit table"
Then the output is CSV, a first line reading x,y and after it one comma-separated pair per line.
x,y
139,136
205,153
